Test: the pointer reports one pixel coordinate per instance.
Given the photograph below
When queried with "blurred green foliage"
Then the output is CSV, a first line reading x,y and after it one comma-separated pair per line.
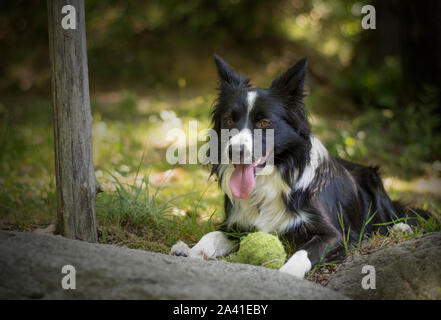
x,y
156,47
160,42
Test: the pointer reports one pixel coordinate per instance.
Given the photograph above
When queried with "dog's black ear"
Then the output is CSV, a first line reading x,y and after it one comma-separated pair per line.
x,y
228,76
291,82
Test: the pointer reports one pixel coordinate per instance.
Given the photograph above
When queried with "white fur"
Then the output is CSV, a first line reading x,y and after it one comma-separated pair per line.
x,y
251,99
211,245
297,265
264,209
245,138
401,228
180,248
317,154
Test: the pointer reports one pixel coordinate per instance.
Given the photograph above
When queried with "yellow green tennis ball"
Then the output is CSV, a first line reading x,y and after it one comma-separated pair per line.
x,y
261,249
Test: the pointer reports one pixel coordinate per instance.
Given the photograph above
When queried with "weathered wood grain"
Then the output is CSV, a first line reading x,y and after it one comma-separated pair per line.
x,y
72,119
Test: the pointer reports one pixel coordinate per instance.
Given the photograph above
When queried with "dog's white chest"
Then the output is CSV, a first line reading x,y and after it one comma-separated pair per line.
x,y
264,209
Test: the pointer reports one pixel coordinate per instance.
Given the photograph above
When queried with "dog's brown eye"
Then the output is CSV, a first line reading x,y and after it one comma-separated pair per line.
x,y
264,123
230,122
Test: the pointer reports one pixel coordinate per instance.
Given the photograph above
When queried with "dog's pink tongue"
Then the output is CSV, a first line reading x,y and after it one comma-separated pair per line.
x,y
242,180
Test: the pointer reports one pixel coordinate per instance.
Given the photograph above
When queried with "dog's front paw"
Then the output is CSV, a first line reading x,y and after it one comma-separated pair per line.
x,y
297,265
201,253
293,270
180,249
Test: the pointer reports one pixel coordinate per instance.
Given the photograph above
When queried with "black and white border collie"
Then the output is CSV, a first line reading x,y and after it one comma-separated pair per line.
x,y
309,191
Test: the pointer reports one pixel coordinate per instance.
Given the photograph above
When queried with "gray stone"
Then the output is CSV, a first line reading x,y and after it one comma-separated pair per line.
x,y
408,270
30,267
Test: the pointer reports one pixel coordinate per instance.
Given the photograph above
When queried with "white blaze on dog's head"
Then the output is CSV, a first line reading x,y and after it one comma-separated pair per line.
x,y
251,99
244,138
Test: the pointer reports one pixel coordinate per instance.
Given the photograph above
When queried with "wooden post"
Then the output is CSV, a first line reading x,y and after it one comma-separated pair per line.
x,y
72,118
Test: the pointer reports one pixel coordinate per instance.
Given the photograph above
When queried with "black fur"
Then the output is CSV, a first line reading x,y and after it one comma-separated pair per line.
x,y
339,187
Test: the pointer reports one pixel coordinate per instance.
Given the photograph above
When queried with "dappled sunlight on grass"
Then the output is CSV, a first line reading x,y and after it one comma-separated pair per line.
x,y
121,145
129,145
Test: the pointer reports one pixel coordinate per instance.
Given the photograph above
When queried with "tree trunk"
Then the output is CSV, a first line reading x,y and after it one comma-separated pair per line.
x,y
75,176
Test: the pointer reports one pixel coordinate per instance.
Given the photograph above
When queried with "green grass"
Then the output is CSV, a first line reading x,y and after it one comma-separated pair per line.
x,y
141,211
368,220
144,198
345,235
431,224
322,271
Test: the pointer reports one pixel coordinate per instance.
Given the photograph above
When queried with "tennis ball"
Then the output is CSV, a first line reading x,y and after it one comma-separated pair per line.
x,y
261,249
